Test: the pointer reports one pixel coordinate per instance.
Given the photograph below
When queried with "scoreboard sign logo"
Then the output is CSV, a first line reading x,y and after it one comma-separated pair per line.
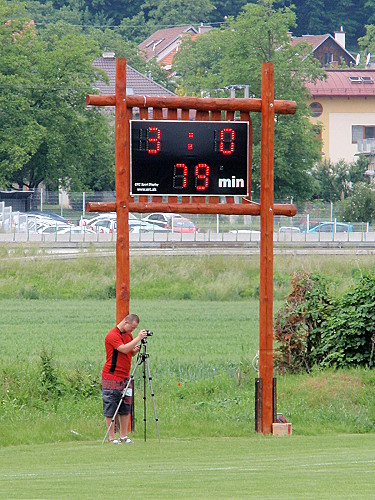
x,y
185,158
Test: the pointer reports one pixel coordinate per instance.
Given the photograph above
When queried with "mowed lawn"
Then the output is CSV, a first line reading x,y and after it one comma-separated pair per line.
x,y
340,466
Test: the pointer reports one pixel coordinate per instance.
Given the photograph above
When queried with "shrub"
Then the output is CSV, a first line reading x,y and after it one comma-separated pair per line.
x,y
352,328
317,329
300,325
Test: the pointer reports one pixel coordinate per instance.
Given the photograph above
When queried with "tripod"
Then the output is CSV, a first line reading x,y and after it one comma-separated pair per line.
x,y
143,357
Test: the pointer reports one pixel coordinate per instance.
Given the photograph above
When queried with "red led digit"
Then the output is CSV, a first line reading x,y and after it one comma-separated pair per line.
x,y
202,176
227,149
154,142
180,176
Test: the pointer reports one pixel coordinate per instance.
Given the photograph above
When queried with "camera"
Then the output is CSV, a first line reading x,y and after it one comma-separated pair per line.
x,y
149,333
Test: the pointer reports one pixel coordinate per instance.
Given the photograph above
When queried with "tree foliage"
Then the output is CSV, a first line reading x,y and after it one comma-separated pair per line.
x,y
336,181
233,56
361,204
46,134
324,16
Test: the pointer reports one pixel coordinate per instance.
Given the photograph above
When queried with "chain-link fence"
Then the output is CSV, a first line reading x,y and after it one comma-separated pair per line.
x,y
58,216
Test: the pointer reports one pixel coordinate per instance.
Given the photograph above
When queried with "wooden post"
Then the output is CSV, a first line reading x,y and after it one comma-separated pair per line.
x,y
122,162
267,209
266,247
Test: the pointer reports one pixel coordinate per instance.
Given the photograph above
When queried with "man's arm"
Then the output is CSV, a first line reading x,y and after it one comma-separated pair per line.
x,y
129,346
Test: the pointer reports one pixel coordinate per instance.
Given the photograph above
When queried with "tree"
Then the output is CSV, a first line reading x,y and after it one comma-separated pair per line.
x,y
46,133
335,181
324,16
361,204
233,55
176,11
198,64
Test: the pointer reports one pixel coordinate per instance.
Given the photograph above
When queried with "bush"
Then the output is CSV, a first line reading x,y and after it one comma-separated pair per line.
x,y
316,329
300,325
351,329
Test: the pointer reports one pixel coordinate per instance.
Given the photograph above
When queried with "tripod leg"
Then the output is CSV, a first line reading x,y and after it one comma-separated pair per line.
x,y
144,399
153,397
123,394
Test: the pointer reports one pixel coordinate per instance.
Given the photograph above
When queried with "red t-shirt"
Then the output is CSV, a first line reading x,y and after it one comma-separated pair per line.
x,y
118,364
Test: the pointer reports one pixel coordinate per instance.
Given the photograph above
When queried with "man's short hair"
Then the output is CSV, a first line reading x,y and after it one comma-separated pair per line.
x,y
132,318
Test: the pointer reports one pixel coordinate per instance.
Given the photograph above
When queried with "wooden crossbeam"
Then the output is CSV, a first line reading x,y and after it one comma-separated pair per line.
x,y
201,109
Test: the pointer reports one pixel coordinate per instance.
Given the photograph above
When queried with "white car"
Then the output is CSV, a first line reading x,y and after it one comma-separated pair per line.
x,y
289,230
104,225
139,226
109,215
67,230
162,219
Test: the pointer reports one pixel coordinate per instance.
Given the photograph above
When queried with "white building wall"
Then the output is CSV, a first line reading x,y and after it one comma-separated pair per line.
x,y
340,136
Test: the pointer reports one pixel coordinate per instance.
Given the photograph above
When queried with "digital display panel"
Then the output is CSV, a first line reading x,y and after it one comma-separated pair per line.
x,y
189,158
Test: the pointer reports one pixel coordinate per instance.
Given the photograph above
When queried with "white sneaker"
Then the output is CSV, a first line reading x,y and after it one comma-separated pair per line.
x,y
126,440
115,441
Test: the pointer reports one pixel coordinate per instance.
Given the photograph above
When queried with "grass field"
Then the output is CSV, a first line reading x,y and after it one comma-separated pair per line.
x,y
201,353
291,467
200,357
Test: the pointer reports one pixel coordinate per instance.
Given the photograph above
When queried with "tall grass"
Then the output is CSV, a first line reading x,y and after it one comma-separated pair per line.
x,y
200,359
204,315
211,277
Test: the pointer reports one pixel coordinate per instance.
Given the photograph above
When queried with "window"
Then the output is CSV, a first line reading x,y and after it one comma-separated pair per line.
x,y
360,132
357,133
367,79
369,132
316,109
328,58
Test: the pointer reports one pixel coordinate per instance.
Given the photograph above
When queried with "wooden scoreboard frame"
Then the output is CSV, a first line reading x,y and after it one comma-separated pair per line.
x,y
185,108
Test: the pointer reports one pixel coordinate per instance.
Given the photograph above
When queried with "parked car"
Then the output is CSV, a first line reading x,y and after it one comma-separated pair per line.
x,y
104,225
50,215
289,230
37,223
138,226
329,227
93,220
182,225
107,215
161,219
173,222
67,230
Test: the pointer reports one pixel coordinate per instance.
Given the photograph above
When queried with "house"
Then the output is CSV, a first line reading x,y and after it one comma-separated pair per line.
x,y
163,44
329,50
136,83
344,106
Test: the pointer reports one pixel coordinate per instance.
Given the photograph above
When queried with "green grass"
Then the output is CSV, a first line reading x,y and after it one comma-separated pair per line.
x,y
259,467
216,278
200,359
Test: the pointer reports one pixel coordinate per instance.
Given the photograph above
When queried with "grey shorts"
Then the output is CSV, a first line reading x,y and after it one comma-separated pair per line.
x,y
111,399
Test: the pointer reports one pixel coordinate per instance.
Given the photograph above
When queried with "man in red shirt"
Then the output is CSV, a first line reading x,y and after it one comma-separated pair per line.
x,y
120,348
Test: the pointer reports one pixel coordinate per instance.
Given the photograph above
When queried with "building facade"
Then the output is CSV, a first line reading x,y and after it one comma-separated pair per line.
x,y
343,106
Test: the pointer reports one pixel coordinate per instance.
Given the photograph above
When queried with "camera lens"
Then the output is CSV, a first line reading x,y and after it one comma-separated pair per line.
x,y
149,333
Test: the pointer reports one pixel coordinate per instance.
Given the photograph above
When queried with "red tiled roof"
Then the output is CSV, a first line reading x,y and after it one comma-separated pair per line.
x,y
167,61
314,40
160,40
338,83
137,83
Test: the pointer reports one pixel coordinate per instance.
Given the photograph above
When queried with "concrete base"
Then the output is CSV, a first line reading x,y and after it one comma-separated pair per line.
x,y
281,429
